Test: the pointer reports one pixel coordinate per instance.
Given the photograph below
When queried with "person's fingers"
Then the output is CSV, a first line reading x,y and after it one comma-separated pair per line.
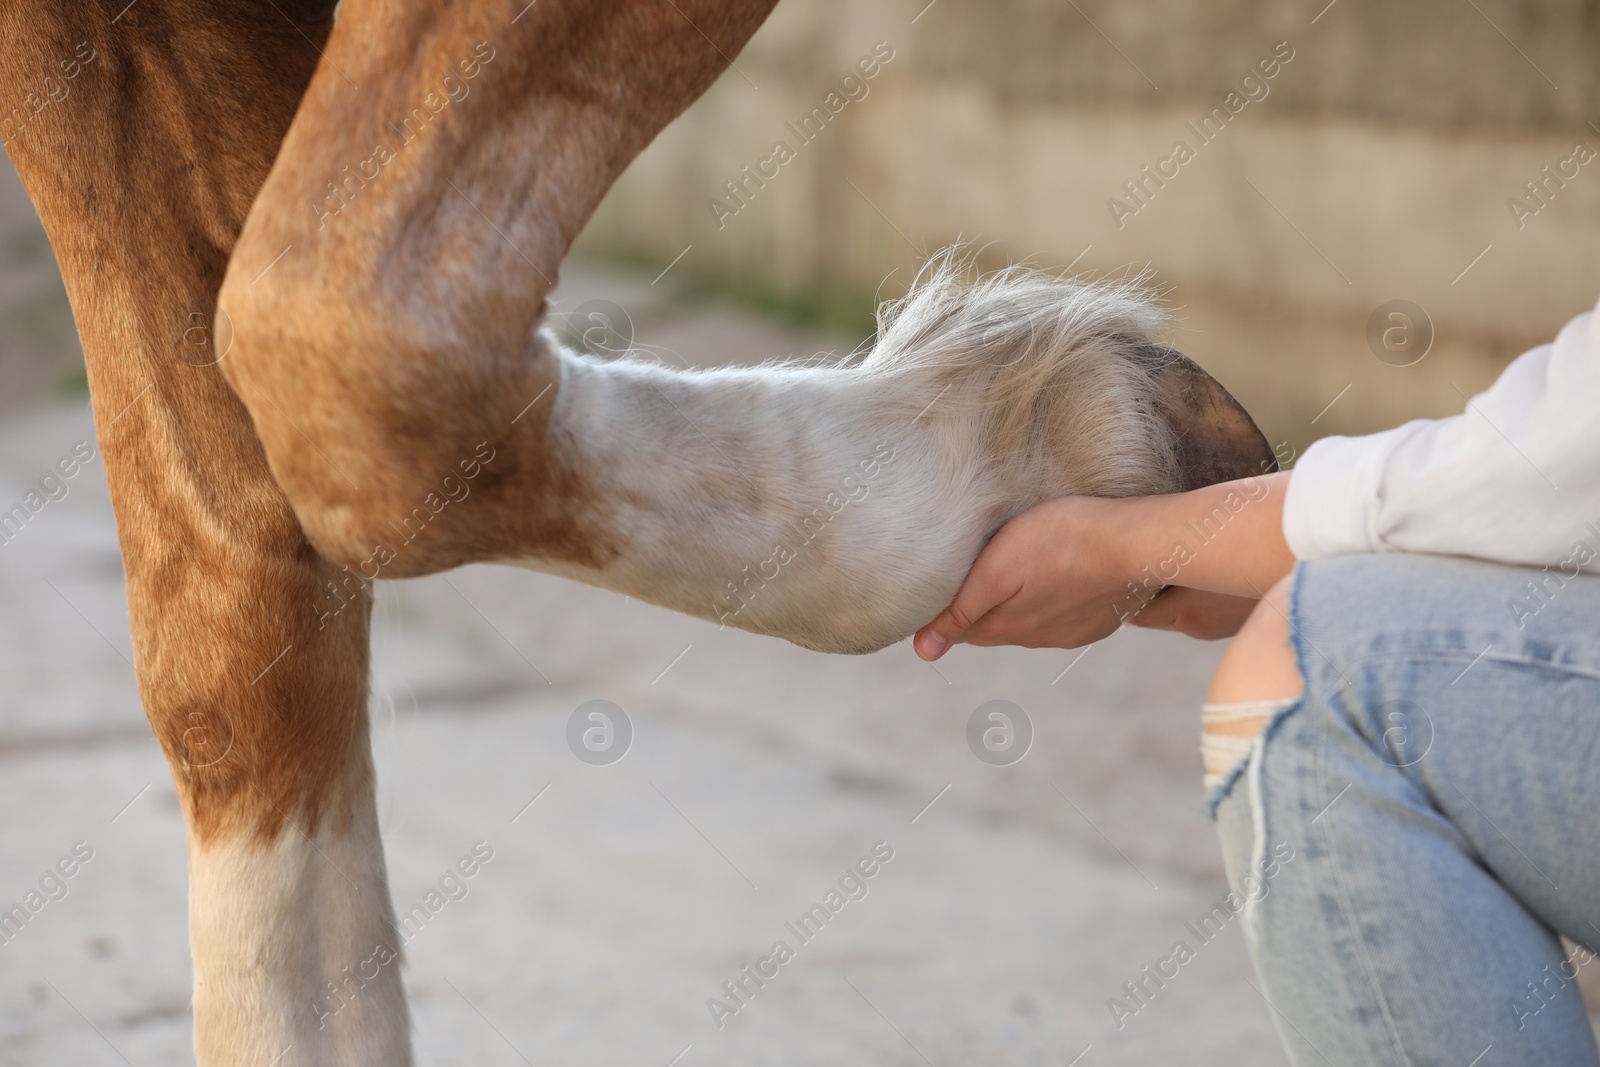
x,y
984,588
1194,612
1163,612
1224,617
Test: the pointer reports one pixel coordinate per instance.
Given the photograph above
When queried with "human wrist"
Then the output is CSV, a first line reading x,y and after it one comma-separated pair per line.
x,y
1224,538
1135,532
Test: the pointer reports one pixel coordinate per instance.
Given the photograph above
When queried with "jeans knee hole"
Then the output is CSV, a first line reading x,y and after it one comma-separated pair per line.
x,y
1230,734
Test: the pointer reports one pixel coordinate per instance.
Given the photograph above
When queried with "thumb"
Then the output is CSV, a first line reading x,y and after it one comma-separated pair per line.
x,y
978,594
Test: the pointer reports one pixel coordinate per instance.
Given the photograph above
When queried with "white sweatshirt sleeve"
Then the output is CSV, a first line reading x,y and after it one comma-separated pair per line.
x,y
1513,479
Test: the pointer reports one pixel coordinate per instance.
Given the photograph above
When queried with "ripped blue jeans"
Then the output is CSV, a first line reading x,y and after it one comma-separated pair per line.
x,y
1437,786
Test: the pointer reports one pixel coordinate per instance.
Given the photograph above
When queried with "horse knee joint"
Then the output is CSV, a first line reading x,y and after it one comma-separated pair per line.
x,y
378,432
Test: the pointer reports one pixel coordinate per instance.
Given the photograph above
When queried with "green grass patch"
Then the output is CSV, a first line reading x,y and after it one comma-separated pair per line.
x,y
74,384
818,303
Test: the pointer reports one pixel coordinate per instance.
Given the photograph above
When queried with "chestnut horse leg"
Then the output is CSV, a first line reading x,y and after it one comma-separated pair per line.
x,y
162,120
385,305
384,298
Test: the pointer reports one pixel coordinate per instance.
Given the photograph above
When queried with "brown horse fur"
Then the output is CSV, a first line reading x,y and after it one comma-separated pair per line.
x,y
388,238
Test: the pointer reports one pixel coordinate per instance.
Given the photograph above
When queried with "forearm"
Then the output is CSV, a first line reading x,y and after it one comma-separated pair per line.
x,y
1224,538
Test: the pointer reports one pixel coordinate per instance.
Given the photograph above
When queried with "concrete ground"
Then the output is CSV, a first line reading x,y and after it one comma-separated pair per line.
x,y
1018,900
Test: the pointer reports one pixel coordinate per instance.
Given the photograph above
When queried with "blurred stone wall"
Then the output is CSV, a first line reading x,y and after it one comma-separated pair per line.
x,y
1380,163
1377,164
39,350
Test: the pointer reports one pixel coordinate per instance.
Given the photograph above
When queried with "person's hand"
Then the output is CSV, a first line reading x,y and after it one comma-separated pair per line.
x,y
1196,613
1050,578
1070,571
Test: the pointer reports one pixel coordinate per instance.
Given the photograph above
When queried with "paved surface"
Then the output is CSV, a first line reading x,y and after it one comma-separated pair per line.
x,y
615,906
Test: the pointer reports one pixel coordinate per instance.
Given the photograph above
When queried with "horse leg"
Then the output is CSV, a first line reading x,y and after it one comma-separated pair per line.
x,y
164,118
383,301
385,304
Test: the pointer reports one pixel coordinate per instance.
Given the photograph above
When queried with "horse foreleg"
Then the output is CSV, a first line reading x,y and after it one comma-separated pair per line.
x,y
261,710
165,119
385,304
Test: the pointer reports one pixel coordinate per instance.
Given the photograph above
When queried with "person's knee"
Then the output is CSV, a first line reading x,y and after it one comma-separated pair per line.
x,y
1259,664
1257,678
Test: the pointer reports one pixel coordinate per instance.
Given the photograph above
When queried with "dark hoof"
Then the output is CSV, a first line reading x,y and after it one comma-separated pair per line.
x,y
1217,439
